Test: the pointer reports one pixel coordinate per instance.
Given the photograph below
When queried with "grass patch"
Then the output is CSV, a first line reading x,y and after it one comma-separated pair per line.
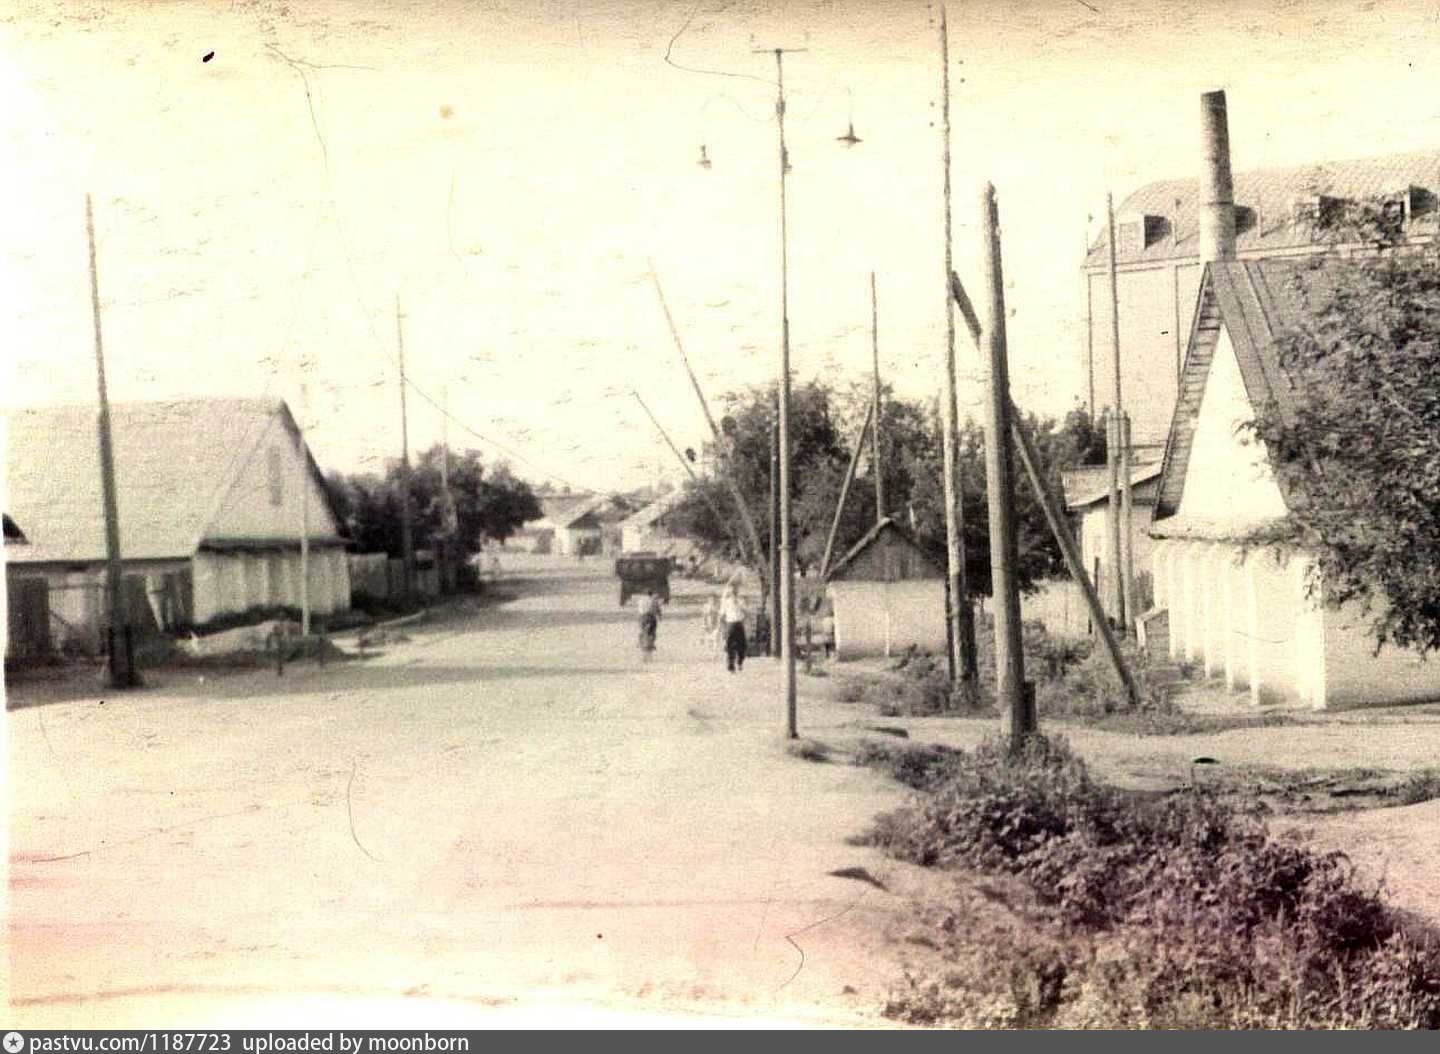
x,y
1151,911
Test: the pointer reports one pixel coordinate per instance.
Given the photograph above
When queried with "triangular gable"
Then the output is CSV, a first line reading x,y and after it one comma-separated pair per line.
x,y
1253,302
872,536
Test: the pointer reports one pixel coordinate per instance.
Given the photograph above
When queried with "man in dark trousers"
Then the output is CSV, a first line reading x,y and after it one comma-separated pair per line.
x,y
732,617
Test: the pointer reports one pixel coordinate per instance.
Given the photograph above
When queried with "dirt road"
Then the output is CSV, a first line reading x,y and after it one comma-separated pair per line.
x,y
506,819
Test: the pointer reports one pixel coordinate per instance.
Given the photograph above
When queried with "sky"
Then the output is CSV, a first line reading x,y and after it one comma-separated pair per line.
x,y
511,172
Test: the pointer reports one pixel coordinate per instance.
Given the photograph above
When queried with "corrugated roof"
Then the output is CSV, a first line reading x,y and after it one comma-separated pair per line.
x,y
1265,200
173,461
1256,301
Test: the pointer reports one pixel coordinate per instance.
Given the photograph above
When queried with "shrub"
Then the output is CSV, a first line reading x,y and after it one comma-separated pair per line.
x,y
1193,915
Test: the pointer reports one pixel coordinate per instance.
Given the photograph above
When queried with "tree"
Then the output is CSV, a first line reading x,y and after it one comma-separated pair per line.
x,y
911,462
491,505
1357,452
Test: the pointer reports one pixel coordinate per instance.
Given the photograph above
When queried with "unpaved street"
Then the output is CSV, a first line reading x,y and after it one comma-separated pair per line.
x,y
505,818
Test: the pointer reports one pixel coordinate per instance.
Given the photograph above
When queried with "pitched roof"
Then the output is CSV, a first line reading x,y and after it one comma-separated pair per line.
x,y
1255,301
871,536
655,510
173,460
1265,201
1091,483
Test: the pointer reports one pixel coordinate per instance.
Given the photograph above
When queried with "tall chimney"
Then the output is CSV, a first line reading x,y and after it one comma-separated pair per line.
x,y
1217,189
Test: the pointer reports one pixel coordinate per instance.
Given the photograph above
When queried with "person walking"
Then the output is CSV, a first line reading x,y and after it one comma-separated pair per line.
x,y
648,604
732,618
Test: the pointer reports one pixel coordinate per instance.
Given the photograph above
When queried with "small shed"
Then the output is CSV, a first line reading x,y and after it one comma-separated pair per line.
x,y
888,595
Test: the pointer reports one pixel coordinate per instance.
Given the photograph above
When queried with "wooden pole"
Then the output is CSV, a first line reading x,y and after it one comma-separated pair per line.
x,y
121,654
1030,458
1010,688
407,542
721,447
878,468
787,550
962,615
1114,456
855,450
304,516
772,646
1127,527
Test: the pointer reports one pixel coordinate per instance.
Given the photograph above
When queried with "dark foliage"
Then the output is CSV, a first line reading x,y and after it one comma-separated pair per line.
x,y
824,424
487,504
1359,449
1176,911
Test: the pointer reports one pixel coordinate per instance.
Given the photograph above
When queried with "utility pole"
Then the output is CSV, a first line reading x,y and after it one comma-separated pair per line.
x,y
856,449
1054,516
121,646
962,615
1011,692
304,515
772,646
721,446
407,543
1116,454
879,469
786,608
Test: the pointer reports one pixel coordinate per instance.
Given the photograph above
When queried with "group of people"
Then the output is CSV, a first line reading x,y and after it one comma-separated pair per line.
x,y
724,624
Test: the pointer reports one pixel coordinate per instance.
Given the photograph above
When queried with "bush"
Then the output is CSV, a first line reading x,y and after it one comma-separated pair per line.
x,y
916,765
1188,912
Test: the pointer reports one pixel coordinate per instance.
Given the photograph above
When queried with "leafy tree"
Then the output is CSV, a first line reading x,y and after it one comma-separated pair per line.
x,y
911,462
1358,451
486,505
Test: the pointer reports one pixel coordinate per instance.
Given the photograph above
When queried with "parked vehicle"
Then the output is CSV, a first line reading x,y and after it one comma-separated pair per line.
x,y
643,573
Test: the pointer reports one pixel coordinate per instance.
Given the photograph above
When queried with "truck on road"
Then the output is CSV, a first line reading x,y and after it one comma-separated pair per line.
x,y
643,573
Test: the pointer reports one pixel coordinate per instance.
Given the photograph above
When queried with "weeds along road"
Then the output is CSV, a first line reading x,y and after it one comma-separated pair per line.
x,y
505,818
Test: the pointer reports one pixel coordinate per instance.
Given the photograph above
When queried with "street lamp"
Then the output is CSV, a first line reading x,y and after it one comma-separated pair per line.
x,y
785,607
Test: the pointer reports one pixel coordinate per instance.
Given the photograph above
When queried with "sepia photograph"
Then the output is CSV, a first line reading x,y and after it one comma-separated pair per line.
x,y
717,514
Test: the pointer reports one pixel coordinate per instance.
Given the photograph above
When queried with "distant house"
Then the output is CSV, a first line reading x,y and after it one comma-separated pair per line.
x,y
575,524
647,530
213,497
1087,498
887,595
1245,613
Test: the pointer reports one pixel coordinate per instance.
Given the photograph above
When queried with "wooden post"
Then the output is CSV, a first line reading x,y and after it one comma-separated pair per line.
x,y
878,469
1114,435
1030,459
721,450
1010,690
772,646
407,543
1127,529
787,551
962,614
855,450
121,657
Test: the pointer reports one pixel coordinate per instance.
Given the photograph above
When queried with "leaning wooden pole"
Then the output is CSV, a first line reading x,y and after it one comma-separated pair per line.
x,y
121,647
762,564
1015,701
684,462
962,615
855,450
878,468
1030,459
1115,444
